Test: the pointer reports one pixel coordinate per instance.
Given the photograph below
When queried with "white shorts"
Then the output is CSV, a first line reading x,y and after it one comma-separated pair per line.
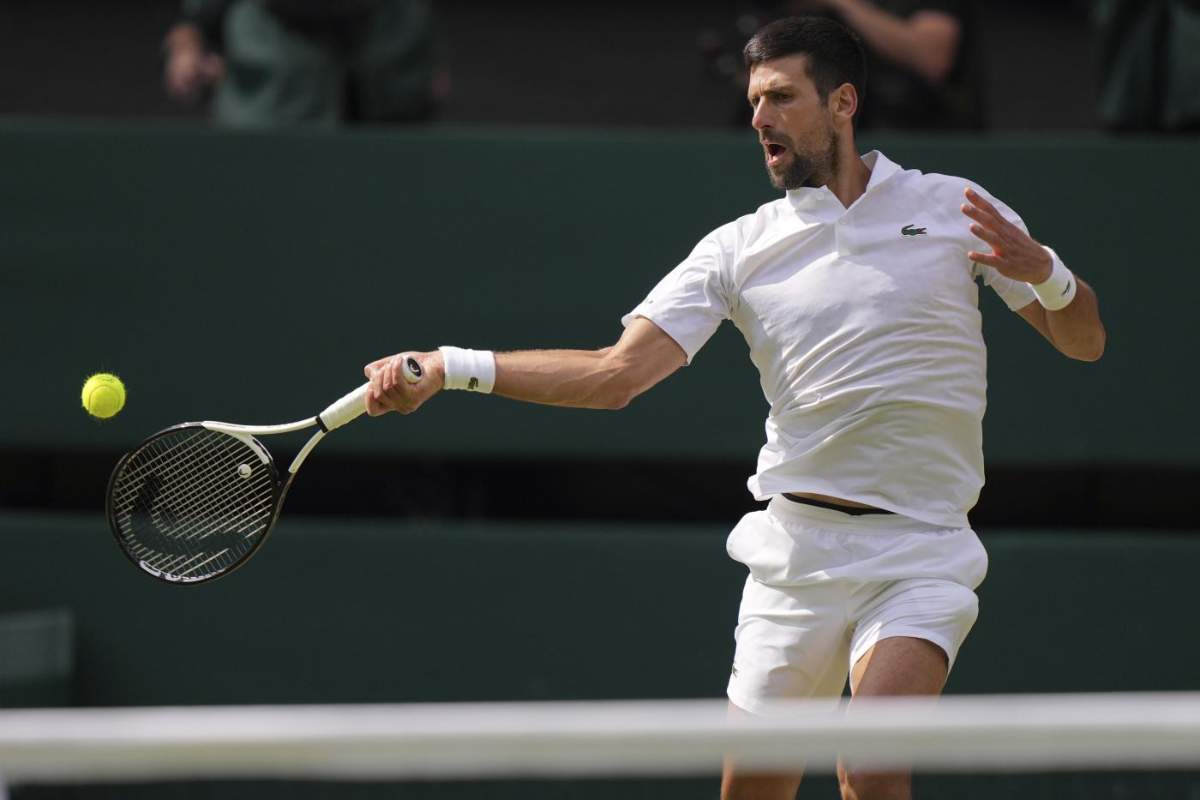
x,y
825,586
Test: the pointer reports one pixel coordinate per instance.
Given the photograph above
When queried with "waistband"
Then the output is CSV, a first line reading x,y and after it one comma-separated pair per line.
x,y
803,514
854,512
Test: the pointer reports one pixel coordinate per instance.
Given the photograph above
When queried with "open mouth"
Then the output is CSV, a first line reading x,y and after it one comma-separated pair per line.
x,y
775,152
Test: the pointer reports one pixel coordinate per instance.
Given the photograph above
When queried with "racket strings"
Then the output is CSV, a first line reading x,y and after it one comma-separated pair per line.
x,y
176,519
192,502
202,497
165,553
185,490
184,455
190,492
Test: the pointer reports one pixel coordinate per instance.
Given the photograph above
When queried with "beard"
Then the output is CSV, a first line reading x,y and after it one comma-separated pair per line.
x,y
812,168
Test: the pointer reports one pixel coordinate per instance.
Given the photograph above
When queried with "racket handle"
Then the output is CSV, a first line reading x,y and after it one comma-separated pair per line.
x,y
354,404
347,409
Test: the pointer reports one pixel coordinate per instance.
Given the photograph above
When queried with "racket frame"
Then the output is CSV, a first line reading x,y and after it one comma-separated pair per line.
x,y
279,490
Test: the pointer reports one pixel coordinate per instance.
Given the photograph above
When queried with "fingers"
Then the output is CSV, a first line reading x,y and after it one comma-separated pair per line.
x,y
375,397
978,201
990,259
389,389
990,236
988,220
392,373
988,217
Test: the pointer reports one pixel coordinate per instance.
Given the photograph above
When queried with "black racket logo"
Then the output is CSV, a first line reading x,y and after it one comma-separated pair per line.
x,y
152,526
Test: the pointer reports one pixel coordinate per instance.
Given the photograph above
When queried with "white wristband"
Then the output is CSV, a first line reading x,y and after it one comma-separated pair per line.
x,y
472,370
1058,290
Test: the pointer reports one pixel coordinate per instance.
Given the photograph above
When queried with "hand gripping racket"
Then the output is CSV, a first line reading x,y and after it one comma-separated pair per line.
x,y
196,501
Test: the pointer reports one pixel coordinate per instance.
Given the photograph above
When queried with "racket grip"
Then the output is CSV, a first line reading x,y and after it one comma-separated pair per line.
x,y
347,409
354,405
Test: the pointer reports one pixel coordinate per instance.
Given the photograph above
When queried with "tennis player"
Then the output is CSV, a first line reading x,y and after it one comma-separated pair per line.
x,y
856,293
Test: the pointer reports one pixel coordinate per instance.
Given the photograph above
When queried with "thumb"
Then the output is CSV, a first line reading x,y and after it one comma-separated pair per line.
x,y
374,407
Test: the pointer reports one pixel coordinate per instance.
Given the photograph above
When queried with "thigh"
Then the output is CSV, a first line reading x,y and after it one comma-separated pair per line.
x,y
739,785
900,665
938,612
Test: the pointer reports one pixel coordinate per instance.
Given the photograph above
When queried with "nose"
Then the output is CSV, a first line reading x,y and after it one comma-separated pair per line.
x,y
762,118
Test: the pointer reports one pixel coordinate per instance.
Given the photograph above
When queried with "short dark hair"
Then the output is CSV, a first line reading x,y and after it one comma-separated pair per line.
x,y
835,53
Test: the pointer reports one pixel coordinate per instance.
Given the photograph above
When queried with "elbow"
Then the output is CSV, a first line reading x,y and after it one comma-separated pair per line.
x,y
934,40
1090,351
616,396
1092,354
935,68
611,399
616,402
617,389
606,389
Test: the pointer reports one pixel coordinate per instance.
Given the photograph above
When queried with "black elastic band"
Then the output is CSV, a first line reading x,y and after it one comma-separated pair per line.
x,y
854,512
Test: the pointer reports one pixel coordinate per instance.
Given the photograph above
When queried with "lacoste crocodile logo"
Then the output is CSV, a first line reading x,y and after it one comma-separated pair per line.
x,y
909,230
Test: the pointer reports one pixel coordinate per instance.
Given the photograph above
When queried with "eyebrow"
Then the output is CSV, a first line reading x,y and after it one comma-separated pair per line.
x,y
771,85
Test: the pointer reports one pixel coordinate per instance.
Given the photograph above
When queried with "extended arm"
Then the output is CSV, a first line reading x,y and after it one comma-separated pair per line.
x,y
926,42
607,378
1076,329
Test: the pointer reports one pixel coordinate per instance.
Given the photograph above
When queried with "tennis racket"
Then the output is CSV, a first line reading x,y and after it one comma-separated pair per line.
x,y
195,501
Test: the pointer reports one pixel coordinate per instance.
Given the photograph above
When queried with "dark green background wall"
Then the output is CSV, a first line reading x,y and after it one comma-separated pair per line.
x,y
393,611
250,276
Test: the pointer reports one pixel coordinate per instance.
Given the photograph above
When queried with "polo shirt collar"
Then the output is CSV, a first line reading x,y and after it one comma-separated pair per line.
x,y
813,199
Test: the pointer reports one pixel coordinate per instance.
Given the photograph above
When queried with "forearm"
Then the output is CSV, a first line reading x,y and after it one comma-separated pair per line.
x,y
607,378
571,378
1076,330
925,51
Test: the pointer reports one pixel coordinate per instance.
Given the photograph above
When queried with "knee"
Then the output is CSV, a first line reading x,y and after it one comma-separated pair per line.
x,y
874,786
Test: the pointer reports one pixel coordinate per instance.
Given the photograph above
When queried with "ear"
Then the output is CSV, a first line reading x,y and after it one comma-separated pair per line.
x,y
843,102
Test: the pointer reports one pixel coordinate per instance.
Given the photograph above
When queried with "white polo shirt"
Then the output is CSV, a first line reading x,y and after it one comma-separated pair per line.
x,y
864,325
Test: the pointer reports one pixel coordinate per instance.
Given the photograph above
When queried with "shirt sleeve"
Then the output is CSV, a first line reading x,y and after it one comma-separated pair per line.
x,y
690,302
1015,294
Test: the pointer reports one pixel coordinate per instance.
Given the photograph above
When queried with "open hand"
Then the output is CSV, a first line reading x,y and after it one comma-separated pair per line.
x,y
1014,254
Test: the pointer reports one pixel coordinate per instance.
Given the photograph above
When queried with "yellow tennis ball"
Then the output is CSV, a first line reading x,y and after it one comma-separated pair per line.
x,y
103,395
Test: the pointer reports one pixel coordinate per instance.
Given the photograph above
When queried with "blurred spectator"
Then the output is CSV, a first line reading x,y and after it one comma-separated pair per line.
x,y
1150,62
923,61
278,62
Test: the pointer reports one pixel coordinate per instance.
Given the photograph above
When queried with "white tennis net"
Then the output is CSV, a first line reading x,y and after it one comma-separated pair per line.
x,y
593,739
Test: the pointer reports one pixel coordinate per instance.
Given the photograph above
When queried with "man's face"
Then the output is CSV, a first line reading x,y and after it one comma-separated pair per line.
x,y
794,125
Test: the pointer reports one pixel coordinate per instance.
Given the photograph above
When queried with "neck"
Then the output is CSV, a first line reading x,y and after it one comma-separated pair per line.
x,y
851,177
